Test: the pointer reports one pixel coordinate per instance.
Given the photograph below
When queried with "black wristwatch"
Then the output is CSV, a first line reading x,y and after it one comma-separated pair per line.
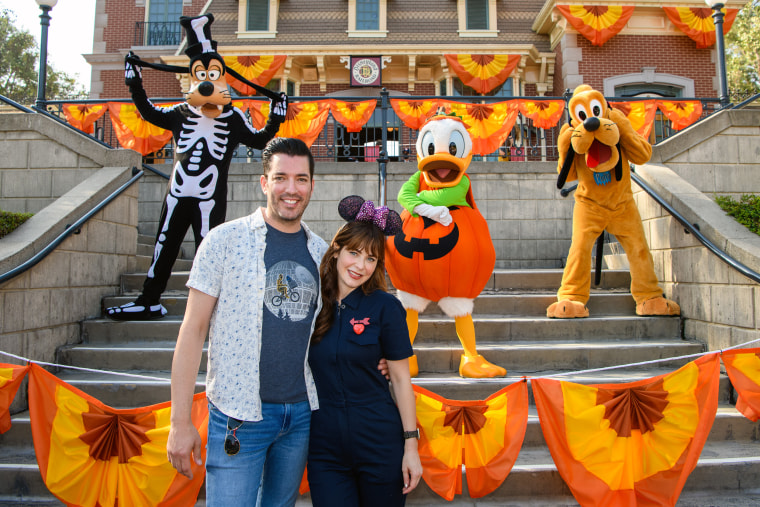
x,y
412,434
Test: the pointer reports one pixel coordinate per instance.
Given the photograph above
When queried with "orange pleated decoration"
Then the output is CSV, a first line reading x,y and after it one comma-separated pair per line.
x,y
681,113
697,23
256,69
84,116
641,114
133,132
414,113
743,368
598,23
489,125
352,115
90,454
484,435
634,443
11,376
305,121
482,73
544,113
259,110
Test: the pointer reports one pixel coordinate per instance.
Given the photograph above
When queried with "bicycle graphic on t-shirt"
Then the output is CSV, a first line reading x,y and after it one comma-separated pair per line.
x,y
286,290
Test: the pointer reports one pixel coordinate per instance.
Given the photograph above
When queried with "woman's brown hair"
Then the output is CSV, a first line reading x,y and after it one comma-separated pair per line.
x,y
360,236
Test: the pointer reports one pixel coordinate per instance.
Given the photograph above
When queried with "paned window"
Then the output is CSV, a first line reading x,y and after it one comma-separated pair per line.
x,y
367,15
477,14
258,15
162,27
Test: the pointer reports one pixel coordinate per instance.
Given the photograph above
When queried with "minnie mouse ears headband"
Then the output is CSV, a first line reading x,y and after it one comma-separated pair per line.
x,y
355,209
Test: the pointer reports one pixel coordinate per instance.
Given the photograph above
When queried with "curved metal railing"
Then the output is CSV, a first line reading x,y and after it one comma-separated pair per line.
x,y
70,229
693,229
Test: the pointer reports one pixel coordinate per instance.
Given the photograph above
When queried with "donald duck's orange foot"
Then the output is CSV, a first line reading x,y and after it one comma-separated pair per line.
x,y
478,367
567,309
658,306
414,368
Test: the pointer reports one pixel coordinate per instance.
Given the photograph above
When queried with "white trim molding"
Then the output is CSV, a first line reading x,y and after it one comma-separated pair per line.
x,y
648,75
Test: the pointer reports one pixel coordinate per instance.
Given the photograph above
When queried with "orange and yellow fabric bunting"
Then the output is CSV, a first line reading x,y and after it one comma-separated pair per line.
x,y
634,443
84,116
489,125
484,435
90,454
133,132
11,376
681,113
544,113
305,121
641,114
598,23
482,73
256,69
352,115
743,368
697,23
414,113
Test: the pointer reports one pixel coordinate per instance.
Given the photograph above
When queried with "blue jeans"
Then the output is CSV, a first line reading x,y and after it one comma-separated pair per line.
x,y
272,456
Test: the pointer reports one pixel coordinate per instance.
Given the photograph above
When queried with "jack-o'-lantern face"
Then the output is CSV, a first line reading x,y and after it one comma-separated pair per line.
x,y
208,87
444,151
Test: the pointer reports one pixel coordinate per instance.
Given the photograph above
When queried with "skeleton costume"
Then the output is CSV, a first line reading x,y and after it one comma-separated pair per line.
x,y
206,129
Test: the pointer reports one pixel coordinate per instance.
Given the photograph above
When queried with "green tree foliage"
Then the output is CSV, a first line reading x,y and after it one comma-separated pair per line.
x,y
19,53
10,221
743,53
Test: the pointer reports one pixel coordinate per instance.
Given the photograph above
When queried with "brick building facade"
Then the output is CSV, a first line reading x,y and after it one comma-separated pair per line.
x,y
649,56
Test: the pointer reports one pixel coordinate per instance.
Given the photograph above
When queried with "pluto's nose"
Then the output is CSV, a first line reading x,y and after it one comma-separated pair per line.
x,y
591,124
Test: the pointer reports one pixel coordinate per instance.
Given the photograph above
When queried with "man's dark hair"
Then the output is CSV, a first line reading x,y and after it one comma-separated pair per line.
x,y
286,146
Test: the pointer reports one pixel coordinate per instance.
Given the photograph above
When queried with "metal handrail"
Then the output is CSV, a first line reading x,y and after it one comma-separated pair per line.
x,y
15,104
70,229
155,171
692,229
69,126
746,102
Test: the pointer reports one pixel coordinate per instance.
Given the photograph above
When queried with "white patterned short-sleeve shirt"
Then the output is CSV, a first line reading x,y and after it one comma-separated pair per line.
x,y
229,266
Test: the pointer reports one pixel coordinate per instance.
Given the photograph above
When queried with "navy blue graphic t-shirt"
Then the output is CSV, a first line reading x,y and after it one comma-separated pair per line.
x,y
290,300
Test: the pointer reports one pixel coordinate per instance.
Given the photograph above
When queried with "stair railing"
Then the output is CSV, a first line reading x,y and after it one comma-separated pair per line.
x,y
694,230
74,228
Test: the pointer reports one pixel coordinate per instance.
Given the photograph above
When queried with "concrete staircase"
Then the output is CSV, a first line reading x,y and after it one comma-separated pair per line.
x,y
512,331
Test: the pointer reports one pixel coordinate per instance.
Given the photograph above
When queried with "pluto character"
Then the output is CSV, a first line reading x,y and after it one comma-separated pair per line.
x,y
206,129
444,252
595,148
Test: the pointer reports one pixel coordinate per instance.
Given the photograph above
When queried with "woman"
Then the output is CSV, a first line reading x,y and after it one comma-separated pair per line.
x,y
363,447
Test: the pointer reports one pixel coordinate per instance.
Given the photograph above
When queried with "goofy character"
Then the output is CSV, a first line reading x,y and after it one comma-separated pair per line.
x,y
206,129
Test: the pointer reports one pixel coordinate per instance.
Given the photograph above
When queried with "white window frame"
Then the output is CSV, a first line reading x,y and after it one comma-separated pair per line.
x,y
648,75
244,33
462,15
382,30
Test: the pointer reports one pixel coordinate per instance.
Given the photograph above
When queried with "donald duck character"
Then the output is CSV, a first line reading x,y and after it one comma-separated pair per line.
x,y
595,149
444,252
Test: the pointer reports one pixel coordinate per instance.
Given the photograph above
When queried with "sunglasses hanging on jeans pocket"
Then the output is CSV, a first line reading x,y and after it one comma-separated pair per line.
x,y
231,442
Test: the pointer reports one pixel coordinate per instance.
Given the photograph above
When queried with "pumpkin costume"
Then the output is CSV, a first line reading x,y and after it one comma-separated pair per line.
x,y
444,252
595,149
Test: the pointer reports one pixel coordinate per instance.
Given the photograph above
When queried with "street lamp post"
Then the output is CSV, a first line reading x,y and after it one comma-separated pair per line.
x,y
46,6
720,49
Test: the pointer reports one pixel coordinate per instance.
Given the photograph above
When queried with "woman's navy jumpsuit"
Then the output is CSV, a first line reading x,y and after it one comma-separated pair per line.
x,y
356,444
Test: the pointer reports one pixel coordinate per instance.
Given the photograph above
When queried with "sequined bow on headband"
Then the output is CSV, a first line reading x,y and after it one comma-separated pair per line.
x,y
368,213
355,208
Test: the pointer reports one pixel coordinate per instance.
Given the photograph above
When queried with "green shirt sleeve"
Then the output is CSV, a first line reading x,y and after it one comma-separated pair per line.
x,y
410,195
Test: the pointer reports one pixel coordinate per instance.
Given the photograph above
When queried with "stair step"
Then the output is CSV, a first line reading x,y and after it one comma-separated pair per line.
x,y
730,460
143,264
157,355
441,330
488,303
514,279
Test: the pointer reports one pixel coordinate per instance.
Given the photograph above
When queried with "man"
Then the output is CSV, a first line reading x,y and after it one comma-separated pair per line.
x,y
259,385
